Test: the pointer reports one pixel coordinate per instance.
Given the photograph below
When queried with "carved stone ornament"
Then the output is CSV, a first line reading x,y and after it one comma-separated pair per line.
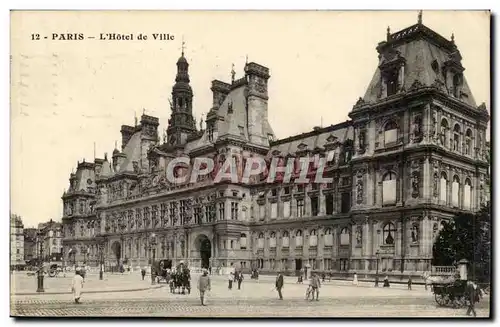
x,y
360,102
415,184
416,85
359,191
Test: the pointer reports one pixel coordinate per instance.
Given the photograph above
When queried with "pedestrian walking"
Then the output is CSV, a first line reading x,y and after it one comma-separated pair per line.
x,y
231,276
315,284
239,279
204,285
473,297
279,284
409,282
77,285
143,273
355,280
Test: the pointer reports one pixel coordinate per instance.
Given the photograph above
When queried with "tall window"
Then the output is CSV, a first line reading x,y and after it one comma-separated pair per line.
x,y
328,237
298,238
344,236
468,142
467,194
183,211
444,133
345,203
285,240
173,212
234,210
243,241
329,204
389,233
455,190
272,240
286,209
390,133
210,213
389,188
198,215
274,210
260,241
443,188
314,205
221,211
392,82
456,137
262,212
300,208
313,238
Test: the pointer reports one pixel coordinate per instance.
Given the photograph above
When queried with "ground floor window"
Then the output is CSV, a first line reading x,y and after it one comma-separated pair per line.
x,y
344,264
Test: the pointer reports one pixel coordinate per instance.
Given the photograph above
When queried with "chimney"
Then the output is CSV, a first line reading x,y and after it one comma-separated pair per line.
x,y
219,90
127,132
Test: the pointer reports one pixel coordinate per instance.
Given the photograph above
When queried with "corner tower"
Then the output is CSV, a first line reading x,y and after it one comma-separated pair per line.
x,y
181,123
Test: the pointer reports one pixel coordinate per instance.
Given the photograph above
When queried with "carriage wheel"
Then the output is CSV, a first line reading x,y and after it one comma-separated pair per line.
x,y
440,299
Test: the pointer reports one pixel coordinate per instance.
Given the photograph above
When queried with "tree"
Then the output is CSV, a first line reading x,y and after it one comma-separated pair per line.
x,y
466,236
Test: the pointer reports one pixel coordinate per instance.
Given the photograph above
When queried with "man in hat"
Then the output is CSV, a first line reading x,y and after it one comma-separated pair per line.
x,y
77,285
279,284
203,285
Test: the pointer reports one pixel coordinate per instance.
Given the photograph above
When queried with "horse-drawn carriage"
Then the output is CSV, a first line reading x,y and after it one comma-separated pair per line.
x,y
162,268
449,286
180,280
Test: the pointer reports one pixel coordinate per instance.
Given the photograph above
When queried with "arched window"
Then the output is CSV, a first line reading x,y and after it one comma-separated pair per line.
x,y
231,246
344,236
456,137
272,240
455,189
313,238
298,238
444,132
467,194
389,234
468,142
328,237
390,133
443,188
389,188
285,240
243,241
260,241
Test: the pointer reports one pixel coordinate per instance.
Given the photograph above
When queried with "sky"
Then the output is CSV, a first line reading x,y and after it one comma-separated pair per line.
x,y
68,94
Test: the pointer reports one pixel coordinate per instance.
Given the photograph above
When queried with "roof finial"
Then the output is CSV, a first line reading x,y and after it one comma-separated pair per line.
x,y
135,118
420,17
453,37
388,33
116,144
143,111
246,60
201,122
233,74
183,46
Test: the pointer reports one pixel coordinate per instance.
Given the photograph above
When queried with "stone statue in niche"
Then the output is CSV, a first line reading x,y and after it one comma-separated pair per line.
x,y
434,124
359,235
414,233
417,129
362,141
415,184
435,185
359,191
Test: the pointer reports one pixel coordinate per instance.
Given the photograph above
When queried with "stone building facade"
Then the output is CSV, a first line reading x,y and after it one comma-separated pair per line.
x,y
16,242
412,155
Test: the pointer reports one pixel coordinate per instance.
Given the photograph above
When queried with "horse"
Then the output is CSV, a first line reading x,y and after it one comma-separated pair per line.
x,y
181,280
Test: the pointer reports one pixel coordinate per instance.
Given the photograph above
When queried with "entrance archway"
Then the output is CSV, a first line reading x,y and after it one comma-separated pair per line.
x,y
204,246
116,247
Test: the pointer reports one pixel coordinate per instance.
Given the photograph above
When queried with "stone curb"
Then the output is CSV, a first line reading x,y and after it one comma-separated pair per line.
x,y
92,291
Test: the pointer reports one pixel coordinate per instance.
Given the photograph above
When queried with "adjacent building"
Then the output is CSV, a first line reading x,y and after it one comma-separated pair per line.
x,y
30,246
412,155
51,235
16,242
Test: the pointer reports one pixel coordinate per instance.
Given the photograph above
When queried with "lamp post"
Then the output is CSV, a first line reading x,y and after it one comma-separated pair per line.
x,y
40,263
376,274
152,245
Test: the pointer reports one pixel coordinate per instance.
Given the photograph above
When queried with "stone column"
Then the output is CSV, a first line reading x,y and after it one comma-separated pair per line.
x,y
322,202
367,243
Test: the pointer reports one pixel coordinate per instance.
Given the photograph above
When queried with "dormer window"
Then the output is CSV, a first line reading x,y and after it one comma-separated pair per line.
x,y
457,85
392,82
390,133
270,137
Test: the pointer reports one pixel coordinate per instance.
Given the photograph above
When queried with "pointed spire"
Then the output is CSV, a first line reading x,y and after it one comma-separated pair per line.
x,y
183,46
420,17
233,73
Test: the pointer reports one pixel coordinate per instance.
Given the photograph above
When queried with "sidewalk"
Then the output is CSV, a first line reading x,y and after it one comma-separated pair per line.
x,y
21,284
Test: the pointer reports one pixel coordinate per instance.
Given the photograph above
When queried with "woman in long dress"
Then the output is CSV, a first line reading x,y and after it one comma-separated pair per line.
x,y
355,280
77,285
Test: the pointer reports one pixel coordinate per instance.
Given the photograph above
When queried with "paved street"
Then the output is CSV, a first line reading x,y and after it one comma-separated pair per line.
x,y
257,298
